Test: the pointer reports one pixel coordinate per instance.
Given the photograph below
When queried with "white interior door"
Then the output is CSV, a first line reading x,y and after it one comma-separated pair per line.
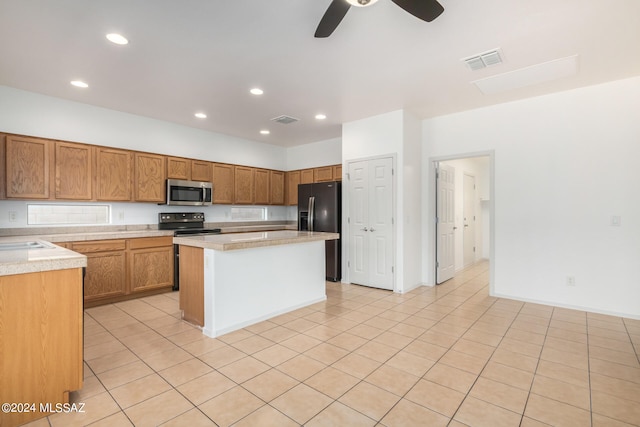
x,y
371,223
445,251
358,222
381,223
469,218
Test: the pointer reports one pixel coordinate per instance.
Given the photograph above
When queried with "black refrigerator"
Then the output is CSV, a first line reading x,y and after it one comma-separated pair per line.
x,y
319,209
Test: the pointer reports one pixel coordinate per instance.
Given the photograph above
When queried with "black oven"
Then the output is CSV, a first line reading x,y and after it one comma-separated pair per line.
x,y
183,224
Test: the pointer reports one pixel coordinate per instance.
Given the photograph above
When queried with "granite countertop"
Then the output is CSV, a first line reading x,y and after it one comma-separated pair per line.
x,y
232,241
77,234
40,256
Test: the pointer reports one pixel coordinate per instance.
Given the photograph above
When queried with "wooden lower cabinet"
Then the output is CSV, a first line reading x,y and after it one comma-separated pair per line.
x,y
192,284
122,269
106,269
150,263
40,342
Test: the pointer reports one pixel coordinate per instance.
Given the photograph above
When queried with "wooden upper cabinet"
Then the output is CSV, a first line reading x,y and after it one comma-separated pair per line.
x,y
306,176
201,170
28,167
276,184
323,174
243,185
293,179
337,172
261,187
113,174
149,183
178,168
223,179
73,171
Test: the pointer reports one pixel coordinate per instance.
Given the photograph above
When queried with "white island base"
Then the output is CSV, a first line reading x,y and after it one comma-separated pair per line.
x,y
246,286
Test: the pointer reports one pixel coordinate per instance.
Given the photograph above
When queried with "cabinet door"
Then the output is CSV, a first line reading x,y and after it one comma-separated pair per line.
x,y
113,174
276,180
293,179
223,183
261,187
151,268
105,275
337,172
323,174
73,171
28,162
243,185
106,268
149,185
178,168
201,171
306,176
3,176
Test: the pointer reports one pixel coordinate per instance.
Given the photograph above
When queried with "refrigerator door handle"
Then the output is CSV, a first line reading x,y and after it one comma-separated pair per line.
x,y
312,205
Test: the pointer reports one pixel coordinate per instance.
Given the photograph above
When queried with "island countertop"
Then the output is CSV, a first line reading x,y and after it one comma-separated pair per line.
x,y
233,241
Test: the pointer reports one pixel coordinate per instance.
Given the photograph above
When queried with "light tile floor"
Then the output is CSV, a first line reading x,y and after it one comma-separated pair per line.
x,y
449,355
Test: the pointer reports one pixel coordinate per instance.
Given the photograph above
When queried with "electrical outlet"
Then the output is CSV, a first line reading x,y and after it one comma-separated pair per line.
x,y
121,216
13,216
571,281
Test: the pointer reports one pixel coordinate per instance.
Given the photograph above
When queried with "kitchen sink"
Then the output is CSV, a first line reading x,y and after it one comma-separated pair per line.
x,y
16,246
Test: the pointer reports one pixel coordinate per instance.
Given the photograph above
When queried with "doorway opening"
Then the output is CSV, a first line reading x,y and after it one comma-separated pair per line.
x,y
463,207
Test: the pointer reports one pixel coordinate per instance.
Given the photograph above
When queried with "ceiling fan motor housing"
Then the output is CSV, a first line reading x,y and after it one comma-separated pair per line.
x,y
361,3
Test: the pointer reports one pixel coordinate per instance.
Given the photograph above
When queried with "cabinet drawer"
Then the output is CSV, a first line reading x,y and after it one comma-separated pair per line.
x,y
150,242
98,246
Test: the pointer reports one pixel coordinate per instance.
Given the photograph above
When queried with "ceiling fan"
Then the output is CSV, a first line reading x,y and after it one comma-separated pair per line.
x,y
427,10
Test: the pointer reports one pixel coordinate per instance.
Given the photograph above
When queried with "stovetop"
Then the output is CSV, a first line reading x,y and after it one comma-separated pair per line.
x,y
184,223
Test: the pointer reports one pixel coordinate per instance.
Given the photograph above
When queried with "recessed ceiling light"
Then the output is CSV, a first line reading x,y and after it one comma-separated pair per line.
x,y
117,38
200,115
321,116
265,132
256,91
78,83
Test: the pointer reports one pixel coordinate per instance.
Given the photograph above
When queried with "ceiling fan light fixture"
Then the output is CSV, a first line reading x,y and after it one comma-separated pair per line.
x,y
361,3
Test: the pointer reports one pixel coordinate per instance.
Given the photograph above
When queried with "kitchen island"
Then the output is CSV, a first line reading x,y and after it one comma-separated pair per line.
x,y
229,281
40,328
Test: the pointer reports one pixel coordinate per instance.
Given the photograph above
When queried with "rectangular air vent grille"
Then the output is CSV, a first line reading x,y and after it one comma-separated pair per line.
x,y
285,120
482,60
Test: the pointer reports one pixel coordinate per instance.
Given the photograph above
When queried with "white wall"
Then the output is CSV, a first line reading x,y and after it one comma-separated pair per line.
x,y
322,153
394,134
564,164
411,195
33,114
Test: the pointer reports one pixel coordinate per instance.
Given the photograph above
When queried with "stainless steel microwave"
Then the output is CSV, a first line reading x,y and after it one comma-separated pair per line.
x,y
189,193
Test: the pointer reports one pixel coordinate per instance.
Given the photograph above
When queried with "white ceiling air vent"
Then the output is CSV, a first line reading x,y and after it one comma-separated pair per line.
x,y
485,59
284,120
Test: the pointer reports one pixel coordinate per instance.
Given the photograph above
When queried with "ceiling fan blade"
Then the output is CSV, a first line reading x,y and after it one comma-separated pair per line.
x,y
332,17
427,10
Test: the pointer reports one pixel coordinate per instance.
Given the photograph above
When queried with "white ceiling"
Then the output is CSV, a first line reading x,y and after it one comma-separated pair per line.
x,y
204,55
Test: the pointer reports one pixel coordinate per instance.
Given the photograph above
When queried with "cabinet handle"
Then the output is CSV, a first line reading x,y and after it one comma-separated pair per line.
x,y
365,229
372,229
